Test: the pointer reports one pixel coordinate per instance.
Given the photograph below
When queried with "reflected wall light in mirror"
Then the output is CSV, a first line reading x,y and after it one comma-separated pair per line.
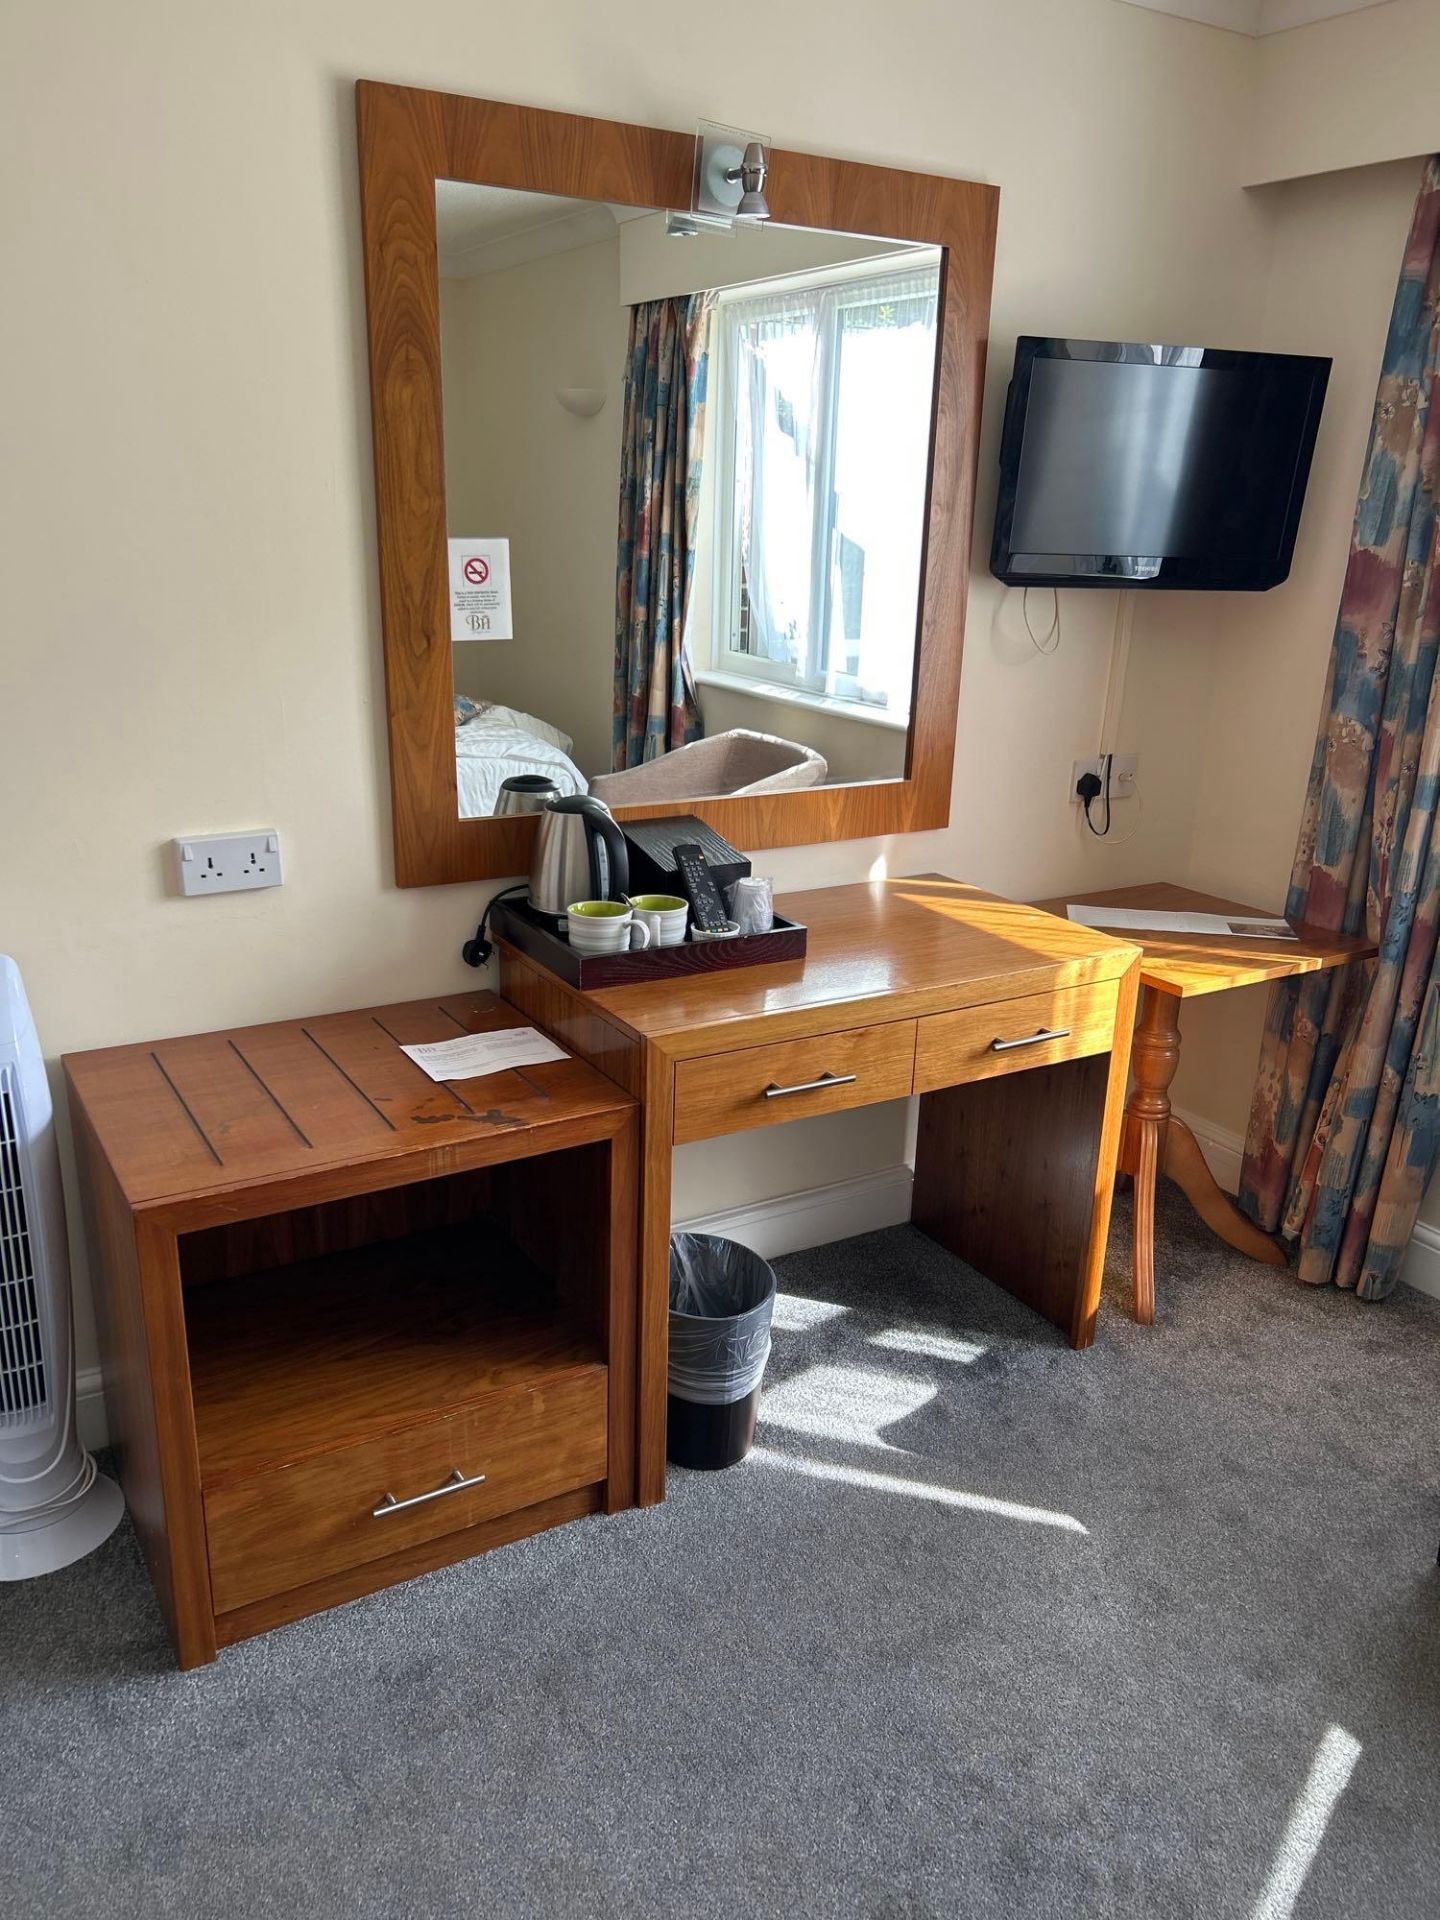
x,y
583,402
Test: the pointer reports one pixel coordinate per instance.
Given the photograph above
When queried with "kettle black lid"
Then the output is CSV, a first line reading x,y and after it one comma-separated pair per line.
x,y
577,803
529,783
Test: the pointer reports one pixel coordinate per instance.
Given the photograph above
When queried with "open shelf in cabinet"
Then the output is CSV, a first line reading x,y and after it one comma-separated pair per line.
x,y
339,1349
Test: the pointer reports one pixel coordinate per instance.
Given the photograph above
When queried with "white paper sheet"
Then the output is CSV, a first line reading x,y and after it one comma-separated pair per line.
x,y
1142,920
476,1054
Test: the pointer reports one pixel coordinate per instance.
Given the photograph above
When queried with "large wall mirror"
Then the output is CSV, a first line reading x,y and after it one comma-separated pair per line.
x,y
680,518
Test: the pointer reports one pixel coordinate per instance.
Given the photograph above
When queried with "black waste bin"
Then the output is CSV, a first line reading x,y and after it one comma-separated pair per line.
x,y
721,1297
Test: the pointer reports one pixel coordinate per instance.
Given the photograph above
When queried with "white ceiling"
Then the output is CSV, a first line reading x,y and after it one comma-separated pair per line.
x,y
1256,16
485,229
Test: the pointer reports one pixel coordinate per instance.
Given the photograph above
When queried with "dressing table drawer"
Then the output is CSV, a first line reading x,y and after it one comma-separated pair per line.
x,y
761,1086
1008,1036
293,1525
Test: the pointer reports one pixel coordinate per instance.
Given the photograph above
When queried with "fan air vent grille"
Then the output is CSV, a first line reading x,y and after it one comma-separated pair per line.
x,y
23,1392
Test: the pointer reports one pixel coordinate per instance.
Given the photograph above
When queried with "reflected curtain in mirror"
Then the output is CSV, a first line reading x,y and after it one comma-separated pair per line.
x,y
662,433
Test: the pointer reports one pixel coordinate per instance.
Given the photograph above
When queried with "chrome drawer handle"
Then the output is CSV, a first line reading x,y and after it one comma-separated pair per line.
x,y
772,1092
1031,1039
455,1484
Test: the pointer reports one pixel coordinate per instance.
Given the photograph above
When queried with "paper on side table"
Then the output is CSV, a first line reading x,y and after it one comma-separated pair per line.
x,y
475,1054
1141,920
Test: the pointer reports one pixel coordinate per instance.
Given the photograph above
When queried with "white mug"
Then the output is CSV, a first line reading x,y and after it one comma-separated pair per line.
x,y
667,922
605,926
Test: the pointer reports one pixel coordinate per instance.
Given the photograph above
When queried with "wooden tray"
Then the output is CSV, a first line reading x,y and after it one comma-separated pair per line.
x,y
526,930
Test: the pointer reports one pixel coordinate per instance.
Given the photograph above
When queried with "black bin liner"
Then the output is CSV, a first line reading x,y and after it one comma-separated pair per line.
x,y
721,1299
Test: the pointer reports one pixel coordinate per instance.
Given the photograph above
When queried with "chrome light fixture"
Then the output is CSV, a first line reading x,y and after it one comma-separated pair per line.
x,y
753,168
731,167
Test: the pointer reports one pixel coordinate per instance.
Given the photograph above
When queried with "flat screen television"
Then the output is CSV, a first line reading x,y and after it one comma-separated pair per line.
x,y
1123,464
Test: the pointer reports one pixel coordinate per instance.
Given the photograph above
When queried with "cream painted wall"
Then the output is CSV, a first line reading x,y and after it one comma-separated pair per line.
x,y
1347,92
518,465
191,634
1336,248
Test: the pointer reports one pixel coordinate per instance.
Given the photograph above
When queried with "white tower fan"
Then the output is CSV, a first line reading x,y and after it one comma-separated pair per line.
x,y
54,1506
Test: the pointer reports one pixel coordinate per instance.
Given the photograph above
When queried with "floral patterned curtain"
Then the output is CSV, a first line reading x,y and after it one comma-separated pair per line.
x,y
1345,1125
655,707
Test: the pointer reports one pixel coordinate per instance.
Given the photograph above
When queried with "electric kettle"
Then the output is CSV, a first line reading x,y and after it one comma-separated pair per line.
x,y
579,855
525,793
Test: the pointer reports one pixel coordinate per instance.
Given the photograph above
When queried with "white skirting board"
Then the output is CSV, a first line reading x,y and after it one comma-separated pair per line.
x,y
1223,1152
795,1221
1422,1260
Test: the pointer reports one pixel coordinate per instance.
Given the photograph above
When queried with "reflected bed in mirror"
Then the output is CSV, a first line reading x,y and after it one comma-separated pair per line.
x,y
685,490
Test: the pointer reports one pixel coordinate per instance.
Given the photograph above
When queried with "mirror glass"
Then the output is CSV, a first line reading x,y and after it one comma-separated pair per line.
x,y
685,497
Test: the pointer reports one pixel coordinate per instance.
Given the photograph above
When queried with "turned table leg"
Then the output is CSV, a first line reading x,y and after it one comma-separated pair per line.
x,y
1183,1162
1155,1142
1153,1060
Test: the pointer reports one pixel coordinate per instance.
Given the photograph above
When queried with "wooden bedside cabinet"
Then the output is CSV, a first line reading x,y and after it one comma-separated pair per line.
x,y
356,1324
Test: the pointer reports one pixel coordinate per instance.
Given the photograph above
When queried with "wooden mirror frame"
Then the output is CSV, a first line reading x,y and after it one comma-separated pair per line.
x,y
409,139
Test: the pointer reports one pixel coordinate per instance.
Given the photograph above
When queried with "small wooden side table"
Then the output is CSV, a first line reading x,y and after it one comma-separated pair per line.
x,y
1176,967
357,1324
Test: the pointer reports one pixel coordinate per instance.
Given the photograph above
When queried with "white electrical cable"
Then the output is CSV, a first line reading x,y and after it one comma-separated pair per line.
x,y
1135,795
74,1493
1115,676
1052,632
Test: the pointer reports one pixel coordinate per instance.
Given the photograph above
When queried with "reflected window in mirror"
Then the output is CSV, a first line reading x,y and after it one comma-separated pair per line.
x,y
706,459
822,430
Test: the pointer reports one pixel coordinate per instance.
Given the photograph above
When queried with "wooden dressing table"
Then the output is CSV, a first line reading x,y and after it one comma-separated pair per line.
x,y
1012,1026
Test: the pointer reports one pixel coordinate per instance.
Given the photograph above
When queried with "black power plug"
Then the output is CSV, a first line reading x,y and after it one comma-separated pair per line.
x,y
1089,788
478,949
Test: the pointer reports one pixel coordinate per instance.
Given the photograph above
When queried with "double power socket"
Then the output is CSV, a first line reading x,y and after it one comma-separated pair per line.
x,y
1124,770
228,862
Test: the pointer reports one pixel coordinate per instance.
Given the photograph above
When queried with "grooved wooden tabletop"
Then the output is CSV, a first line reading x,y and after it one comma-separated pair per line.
x,y
196,1115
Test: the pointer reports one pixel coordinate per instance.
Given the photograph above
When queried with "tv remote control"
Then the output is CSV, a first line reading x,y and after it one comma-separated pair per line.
x,y
697,883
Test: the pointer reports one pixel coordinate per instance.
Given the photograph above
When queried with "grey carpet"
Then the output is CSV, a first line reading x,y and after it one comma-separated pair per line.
x,y
791,1694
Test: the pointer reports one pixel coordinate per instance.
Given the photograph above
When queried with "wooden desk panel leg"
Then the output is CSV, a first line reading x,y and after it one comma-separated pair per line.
x,y
1016,1175
652,1391
1006,1176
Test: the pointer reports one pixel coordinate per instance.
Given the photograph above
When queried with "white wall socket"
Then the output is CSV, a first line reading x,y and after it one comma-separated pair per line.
x,y
228,862
1124,769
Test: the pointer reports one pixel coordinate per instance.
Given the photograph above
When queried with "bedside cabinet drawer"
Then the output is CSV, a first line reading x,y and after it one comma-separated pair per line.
x,y
760,1086
1007,1036
295,1524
